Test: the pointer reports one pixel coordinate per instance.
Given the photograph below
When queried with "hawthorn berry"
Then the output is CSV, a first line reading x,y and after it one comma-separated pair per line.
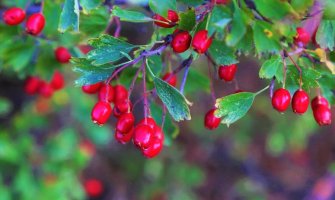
x,y
62,55
300,102
181,41
106,93
120,93
143,136
158,133
45,89
125,122
223,2
281,99
93,187
92,88
322,115
201,41
57,81
302,36
31,85
211,121
170,21
85,48
35,24
227,73
101,112
319,101
124,138
13,16
170,78
149,121
154,149
123,106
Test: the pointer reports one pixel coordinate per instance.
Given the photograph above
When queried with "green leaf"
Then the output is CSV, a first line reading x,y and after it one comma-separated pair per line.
x,y
84,65
238,29
130,16
220,18
162,7
156,64
222,54
174,101
272,68
198,82
187,20
233,107
5,106
89,5
108,49
273,9
325,36
246,44
69,18
310,77
265,39
301,6
92,78
192,2
95,22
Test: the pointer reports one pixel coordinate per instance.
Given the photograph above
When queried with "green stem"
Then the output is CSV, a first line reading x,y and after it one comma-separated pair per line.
x,y
262,90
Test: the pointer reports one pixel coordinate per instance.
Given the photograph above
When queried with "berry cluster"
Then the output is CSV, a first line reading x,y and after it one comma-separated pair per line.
x,y
34,85
147,135
34,24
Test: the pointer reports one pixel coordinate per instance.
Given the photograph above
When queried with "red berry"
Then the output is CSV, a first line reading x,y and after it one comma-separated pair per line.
x,y
35,24
124,138
57,81
227,73
125,122
123,106
148,121
172,19
319,101
85,48
154,149
211,122
93,187
158,133
101,112
116,112
106,93
302,36
201,42
143,136
93,88
31,85
120,93
181,41
300,102
281,99
222,1
62,55
322,115
170,78
13,16
45,89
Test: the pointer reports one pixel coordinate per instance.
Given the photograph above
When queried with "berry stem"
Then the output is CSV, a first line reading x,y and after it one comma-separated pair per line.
x,y
163,116
299,69
109,26
284,68
118,27
272,86
131,88
262,90
145,97
211,80
187,69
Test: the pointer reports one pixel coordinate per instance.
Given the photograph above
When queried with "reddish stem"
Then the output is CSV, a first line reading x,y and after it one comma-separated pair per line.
x,y
299,69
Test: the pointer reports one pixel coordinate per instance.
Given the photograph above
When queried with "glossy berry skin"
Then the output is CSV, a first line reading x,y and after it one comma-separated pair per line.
x,y
302,36
143,136
45,89
101,112
171,20
123,106
35,24
181,41
57,81
149,121
120,93
154,149
31,85
228,72
223,2
93,88
201,42
62,55
300,102
322,115
124,138
170,79
93,187
106,93
319,101
211,122
125,122
158,133
281,99
14,16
